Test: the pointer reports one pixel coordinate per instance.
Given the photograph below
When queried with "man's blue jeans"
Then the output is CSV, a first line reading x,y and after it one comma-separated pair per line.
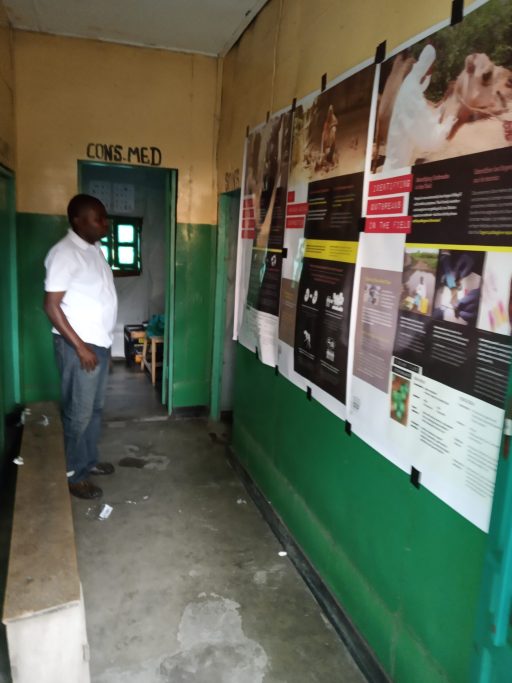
x,y
82,396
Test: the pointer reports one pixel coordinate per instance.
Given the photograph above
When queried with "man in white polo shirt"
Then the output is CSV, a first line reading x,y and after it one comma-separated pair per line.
x,y
81,302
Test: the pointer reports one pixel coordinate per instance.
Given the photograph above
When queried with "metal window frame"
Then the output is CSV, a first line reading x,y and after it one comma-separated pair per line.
x,y
113,244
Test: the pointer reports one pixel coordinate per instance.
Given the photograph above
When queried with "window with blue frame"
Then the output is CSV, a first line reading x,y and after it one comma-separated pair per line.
x,y
122,246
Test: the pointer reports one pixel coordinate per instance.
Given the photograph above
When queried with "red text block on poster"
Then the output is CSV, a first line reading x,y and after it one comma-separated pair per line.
x,y
300,209
385,206
393,224
396,185
296,213
295,222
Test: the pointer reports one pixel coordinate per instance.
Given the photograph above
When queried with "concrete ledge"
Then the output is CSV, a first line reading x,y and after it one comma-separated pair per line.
x,y
43,608
43,572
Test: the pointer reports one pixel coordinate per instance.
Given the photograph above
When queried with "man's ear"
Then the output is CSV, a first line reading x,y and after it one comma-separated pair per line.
x,y
75,222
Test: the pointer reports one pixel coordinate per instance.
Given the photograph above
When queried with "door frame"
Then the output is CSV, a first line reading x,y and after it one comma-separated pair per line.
x,y
221,280
171,200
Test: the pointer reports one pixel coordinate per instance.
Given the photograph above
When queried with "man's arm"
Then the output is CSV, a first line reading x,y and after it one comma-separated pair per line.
x,y
52,307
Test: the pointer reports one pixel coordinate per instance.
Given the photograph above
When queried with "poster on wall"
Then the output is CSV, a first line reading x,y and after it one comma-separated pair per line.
x,y
324,201
432,329
261,236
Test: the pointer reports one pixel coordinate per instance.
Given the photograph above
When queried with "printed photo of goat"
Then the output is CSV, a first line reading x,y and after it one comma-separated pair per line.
x,y
448,95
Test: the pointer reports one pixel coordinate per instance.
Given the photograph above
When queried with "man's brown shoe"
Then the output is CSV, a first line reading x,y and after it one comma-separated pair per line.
x,y
85,489
102,468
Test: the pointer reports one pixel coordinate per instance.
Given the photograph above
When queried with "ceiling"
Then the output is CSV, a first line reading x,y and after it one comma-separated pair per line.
x,y
209,27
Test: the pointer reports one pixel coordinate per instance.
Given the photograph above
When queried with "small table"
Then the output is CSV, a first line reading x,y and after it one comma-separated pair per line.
x,y
151,364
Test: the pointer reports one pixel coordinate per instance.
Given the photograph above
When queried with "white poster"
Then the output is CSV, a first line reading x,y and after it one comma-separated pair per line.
x,y
261,235
432,316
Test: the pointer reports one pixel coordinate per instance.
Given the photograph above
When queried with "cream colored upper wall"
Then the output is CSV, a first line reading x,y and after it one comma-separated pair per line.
x,y
71,92
285,51
7,136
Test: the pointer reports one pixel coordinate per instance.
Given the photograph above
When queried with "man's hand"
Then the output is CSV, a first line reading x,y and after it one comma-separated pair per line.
x,y
52,301
88,359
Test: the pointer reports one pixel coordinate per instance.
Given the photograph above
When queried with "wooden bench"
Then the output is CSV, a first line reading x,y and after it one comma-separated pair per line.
x,y
44,609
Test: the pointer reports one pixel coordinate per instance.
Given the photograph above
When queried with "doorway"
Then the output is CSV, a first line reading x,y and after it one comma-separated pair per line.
x,y
140,247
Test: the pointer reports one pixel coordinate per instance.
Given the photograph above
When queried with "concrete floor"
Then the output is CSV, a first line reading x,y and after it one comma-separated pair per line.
x,y
130,395
183,582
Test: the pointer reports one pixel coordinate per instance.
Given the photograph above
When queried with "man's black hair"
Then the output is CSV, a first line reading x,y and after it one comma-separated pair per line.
x,y
80,203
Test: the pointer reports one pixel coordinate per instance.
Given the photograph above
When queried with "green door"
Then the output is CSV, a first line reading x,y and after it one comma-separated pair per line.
x,y
9,351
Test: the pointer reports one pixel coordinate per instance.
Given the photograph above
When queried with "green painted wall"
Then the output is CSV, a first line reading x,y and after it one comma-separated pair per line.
x,y
405,567
194,304
9,379
36,234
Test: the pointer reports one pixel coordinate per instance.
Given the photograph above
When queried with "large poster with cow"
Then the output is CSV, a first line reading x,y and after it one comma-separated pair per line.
x,y
432,330
329,141
261,235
